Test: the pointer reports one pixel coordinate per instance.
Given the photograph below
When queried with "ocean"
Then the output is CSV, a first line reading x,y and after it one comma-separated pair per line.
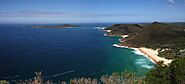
x,y
63,54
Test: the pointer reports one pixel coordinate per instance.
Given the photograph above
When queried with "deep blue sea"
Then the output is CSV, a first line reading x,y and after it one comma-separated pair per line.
x,y
63,54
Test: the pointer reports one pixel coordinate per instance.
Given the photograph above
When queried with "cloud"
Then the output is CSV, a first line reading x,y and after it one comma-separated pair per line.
x,y
28,16
30,13
171,1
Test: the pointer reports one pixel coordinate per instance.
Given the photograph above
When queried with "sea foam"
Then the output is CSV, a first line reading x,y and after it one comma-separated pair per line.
x,y
135,51
138,52
143,63
100,27
118,46
63,73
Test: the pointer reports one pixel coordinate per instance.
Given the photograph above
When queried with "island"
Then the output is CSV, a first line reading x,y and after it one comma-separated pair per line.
x,y
56,26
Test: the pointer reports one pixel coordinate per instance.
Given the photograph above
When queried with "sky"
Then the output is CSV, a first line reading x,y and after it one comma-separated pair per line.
x,y
79,11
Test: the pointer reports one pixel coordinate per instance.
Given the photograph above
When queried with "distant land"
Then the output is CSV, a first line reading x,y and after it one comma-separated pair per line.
x,y
55,26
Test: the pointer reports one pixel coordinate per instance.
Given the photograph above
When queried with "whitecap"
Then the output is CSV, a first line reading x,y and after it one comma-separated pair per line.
x,y
12,77
100,27
138,52
118,46
143,63
105,34
63,73
135,51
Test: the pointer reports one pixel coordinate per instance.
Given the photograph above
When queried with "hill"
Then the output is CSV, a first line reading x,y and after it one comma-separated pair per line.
x,y
120,29
160,35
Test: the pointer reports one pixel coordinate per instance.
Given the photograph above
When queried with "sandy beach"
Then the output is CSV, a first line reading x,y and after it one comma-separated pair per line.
x,y
153,55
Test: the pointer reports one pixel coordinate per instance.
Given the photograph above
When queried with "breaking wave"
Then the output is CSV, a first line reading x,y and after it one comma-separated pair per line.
x,y
136,51
144,63
100,27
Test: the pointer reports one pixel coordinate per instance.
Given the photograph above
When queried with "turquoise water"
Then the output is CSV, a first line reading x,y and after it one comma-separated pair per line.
x,y
63,54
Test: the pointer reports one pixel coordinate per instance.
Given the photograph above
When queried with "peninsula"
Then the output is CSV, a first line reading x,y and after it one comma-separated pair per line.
x,y
152,39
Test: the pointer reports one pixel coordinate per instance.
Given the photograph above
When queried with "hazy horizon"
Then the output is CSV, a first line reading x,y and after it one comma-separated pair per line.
x,y
91,11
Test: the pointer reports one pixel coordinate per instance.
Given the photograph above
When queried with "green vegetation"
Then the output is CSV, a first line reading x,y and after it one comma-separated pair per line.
x,y
4,82
159,35
169,38
161,74
173,74
120,29
115,78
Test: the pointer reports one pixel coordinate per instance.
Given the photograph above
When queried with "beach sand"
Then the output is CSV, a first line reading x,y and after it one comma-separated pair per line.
x,y
150,53
153,55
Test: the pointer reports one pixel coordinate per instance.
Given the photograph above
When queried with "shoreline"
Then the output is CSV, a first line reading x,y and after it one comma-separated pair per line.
x,y
136,51
149,53
153,54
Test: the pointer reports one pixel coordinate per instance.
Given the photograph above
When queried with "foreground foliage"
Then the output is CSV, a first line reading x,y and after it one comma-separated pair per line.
x,y
163,74
115,78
